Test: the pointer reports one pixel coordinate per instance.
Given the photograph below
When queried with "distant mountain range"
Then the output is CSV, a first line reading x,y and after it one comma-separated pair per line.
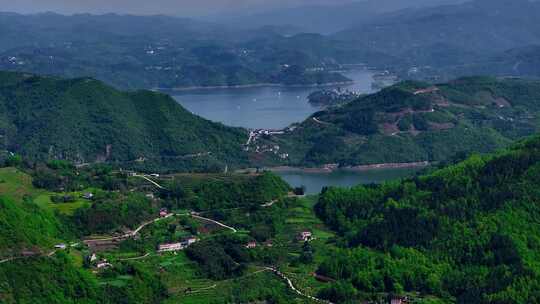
x,y
323,18
450,37
433,41
133,52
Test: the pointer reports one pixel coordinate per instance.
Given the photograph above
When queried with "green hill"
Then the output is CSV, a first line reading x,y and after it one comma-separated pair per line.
x,y
467,233
24,224
413,122
85,121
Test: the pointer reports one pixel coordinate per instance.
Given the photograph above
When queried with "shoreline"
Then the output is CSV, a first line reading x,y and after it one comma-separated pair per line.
x,y
248,86
330,168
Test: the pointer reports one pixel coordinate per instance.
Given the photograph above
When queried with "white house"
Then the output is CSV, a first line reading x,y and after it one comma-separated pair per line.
x,y
305,236
171,247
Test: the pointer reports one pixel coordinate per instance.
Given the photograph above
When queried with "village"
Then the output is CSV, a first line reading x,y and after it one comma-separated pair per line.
x,y
255,135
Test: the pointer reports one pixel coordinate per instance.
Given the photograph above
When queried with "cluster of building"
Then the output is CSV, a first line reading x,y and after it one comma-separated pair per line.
x,y
271,149
426,91
254,244
88,195
255,134
399,300
275,149
15,61
163,212
98,263
173,247
305,236
302,236
330,97
60,246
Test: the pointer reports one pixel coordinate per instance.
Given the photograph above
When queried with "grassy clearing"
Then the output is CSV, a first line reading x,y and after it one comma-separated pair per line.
x,y
17,185
303,217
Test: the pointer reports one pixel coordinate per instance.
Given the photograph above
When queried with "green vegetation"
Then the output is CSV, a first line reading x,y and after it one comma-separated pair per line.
x,y
85,121
209,192
413,122
46,280
33,224
110,213
24,225
465,233
461,234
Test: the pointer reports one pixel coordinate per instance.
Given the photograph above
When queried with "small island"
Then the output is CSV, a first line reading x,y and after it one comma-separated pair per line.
x,y
332,97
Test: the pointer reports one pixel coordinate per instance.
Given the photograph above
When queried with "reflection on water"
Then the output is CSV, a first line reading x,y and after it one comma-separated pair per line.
x,y
261,107
314,182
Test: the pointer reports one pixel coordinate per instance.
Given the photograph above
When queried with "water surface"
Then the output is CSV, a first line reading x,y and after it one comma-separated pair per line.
x,y
314,182
261,107
276,108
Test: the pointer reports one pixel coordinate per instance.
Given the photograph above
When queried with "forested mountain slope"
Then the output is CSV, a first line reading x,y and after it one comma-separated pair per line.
x,y
466,233
85,121
413,122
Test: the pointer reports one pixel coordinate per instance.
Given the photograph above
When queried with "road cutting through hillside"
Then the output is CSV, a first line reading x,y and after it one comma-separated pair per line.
x,y
149,180
293,288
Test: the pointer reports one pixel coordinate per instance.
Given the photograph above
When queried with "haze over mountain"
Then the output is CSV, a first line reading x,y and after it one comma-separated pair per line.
x,y
323,18
179,7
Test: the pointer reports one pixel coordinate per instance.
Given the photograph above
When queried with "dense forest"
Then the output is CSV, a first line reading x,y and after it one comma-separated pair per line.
x,y
85,121
467,232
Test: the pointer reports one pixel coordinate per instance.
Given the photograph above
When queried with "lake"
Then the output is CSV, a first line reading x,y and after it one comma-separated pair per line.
x,y
314,182
276,108
262,107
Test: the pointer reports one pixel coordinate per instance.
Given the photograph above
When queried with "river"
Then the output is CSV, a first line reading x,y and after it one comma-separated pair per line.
x,y
314,182
276,108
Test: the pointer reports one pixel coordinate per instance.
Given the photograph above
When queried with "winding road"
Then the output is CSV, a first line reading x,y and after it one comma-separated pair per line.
x,y
215,222
293,288
136,258
131,233
151,181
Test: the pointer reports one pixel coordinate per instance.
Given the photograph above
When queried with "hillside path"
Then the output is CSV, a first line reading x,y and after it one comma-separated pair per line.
x,y
215,222
149,180
293,288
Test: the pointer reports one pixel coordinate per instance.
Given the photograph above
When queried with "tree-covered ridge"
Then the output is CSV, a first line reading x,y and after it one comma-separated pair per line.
x,y
414,121
215,192
135,52
85,121
467,233
448,41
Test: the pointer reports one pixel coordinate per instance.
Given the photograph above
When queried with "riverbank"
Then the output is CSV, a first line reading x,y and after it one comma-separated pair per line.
x,y
255,85
331,168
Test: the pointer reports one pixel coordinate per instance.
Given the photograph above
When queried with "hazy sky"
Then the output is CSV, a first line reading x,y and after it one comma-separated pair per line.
x,y
169,7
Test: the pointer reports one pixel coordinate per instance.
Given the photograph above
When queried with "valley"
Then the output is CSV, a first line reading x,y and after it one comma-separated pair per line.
x,y
198,238
270,152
